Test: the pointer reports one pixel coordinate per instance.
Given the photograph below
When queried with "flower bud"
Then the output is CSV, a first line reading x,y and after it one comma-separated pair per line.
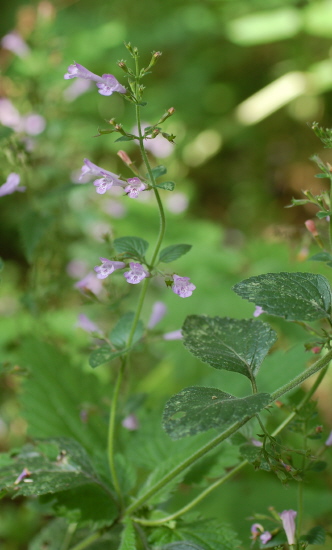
x,y
124,157
311,226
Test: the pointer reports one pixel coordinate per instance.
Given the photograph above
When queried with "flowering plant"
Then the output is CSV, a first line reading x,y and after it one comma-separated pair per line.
x,y
93,480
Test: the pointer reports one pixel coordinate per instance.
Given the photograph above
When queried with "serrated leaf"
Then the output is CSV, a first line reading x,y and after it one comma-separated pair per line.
x,y
173,252
208,534
168,185
70,469
198,409
32,229
294,296
56,393
128,536
158,473
125,138
103,355
120,333
316,535
321,257
84,505
159,171
134,247
231,344
126,472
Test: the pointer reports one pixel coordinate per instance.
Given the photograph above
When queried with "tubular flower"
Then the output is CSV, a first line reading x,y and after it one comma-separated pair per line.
x,y
103,183
107,267
136,274
159,309
107,83
288,523
134,187
182,287
11,185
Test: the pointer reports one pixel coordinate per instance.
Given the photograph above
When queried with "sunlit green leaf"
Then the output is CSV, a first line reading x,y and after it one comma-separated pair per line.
x,y
231,344
294,296
197,409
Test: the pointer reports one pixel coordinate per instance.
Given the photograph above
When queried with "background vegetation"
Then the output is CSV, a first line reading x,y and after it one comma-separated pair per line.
x,y
245,79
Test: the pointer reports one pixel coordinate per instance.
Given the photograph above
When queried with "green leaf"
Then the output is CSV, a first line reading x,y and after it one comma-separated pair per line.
x,y
55,394
84,505
231,344
208,534
103,355
316,535
33,228
134,247
173,252
323,214
159,171
321,257
128,536
51,536
294,296
168,185
71,468
125,138
120,333
198,409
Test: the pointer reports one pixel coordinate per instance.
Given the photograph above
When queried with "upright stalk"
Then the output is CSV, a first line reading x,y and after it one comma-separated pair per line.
x,y
145,284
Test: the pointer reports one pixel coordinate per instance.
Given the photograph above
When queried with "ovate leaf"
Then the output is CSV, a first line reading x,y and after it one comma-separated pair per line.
x,y
168,185
159,171
294,296
128,537
103,355
125,138
120,333
173,252
231,344
198,409
133,247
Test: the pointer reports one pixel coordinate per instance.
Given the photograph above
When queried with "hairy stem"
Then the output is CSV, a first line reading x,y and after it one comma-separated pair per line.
x,y
237,468
114,404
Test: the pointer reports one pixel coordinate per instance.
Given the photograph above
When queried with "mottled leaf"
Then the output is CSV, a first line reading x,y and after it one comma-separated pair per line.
x,y
134,247
103,355
231,344
294,296
71,468
120,333
173,252
198,409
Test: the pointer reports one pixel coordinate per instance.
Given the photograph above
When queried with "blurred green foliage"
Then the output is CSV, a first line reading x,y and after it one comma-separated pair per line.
x,y
236,163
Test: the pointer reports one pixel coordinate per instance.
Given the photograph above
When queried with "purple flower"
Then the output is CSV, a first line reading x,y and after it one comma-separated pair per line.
x,y
89,282
103,183
258,311
134,187
107,83
76,89
159,310
256,530
86,324
130,422
107,267
288,523
265,537
328,442
136,274
182,287
15,43
174,335
11,185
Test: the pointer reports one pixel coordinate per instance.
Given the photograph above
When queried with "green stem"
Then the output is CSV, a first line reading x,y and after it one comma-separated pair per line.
x,y
198,454
68,536
86,542
114,404
237,468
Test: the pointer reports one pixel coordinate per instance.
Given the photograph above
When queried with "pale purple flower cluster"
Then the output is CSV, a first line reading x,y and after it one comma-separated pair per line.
x,y
182,287
107,84
136,274
107,267
11,185
134,187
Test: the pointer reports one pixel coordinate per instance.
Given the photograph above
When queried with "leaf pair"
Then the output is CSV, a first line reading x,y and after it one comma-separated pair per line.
x,y
223,343
135,247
